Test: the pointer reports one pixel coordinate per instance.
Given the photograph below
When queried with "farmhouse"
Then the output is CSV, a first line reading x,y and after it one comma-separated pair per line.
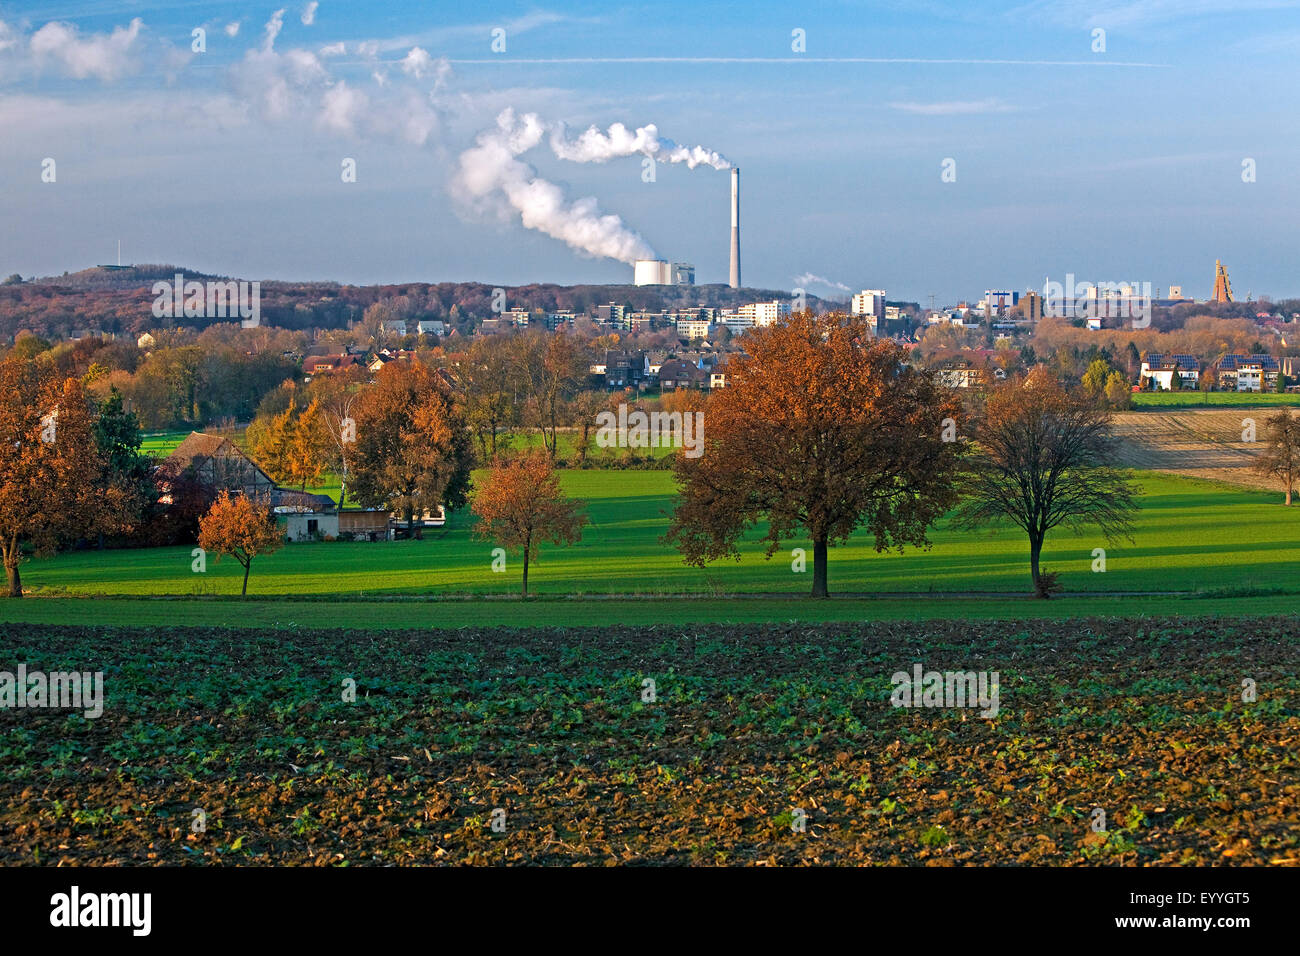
x,y
218,463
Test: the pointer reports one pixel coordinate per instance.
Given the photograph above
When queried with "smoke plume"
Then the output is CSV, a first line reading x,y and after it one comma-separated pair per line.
x,y
593,146
492,178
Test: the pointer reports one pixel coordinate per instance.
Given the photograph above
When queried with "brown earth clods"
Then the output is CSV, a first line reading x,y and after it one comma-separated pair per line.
x,y
714,744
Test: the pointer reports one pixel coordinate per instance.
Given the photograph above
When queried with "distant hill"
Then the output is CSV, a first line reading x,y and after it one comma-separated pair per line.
x,y
120,300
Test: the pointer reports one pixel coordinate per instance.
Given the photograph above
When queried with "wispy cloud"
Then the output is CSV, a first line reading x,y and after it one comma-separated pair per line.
x,y
955,107
1119,14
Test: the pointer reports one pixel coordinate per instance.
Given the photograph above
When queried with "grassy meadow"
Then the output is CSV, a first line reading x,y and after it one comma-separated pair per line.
x,y
1214,399
1190,535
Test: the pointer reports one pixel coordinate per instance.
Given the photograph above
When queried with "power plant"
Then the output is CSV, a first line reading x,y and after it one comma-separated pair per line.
x,y
663,272
735,227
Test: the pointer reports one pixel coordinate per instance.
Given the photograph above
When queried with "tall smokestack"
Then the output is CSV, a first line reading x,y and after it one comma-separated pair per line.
x,y
735,227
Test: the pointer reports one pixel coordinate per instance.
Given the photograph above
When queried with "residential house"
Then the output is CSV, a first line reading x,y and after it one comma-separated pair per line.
x,y
324,364
1159,368
1247,373
678,373
959,373
718,376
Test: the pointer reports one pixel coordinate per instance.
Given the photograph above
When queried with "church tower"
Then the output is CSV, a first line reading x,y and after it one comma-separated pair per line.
x,y
1222,287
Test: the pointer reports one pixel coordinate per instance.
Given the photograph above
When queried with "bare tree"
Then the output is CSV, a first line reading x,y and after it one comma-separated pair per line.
x,y
1281,456
1045,459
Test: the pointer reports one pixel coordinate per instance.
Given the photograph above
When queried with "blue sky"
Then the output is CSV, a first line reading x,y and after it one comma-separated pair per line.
x,y
1122,165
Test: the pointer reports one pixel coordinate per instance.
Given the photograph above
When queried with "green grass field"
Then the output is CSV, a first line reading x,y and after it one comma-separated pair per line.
x,y
1213,399
1191,536
385,615
162,444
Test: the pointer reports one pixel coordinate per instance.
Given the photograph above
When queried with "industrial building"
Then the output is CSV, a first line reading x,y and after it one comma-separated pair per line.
x,y
662,272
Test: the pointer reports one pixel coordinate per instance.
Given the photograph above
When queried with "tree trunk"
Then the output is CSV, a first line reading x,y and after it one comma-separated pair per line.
x,y
528,541
1035,549
819,569
15,579
249,565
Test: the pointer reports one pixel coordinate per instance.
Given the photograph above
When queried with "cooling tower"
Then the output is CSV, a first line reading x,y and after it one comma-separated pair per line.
x,y
735,227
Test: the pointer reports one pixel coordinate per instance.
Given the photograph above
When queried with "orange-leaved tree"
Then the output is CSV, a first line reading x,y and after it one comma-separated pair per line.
x,y
520,506
54,483
824,429
413,452
241,526
1046,458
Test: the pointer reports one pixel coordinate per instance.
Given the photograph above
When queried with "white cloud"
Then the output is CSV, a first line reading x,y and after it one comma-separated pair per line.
x,y
7,37
334,49
309,13
955,107
232,28
342,107
105,56
417,63
273,28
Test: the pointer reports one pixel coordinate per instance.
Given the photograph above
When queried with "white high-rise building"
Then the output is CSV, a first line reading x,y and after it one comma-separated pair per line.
x,y
761,314
869,302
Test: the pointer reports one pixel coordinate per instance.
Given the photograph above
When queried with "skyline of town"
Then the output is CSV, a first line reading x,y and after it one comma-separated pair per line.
x,y
943,151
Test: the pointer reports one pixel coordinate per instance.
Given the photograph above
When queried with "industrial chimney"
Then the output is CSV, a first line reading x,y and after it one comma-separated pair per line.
x,y
735,227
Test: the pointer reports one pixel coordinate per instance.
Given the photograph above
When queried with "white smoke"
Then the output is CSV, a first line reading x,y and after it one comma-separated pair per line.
x,y
808,278
491,177
593,146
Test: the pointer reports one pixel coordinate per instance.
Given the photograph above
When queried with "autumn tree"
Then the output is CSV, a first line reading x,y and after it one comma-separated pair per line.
x,y
241,526
491,407
413,452
1045,458
1094,379
521,506
1280,458
308,442
1118,393
338,394
269,438
821,428
54,484
554,365
583,409
292,446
